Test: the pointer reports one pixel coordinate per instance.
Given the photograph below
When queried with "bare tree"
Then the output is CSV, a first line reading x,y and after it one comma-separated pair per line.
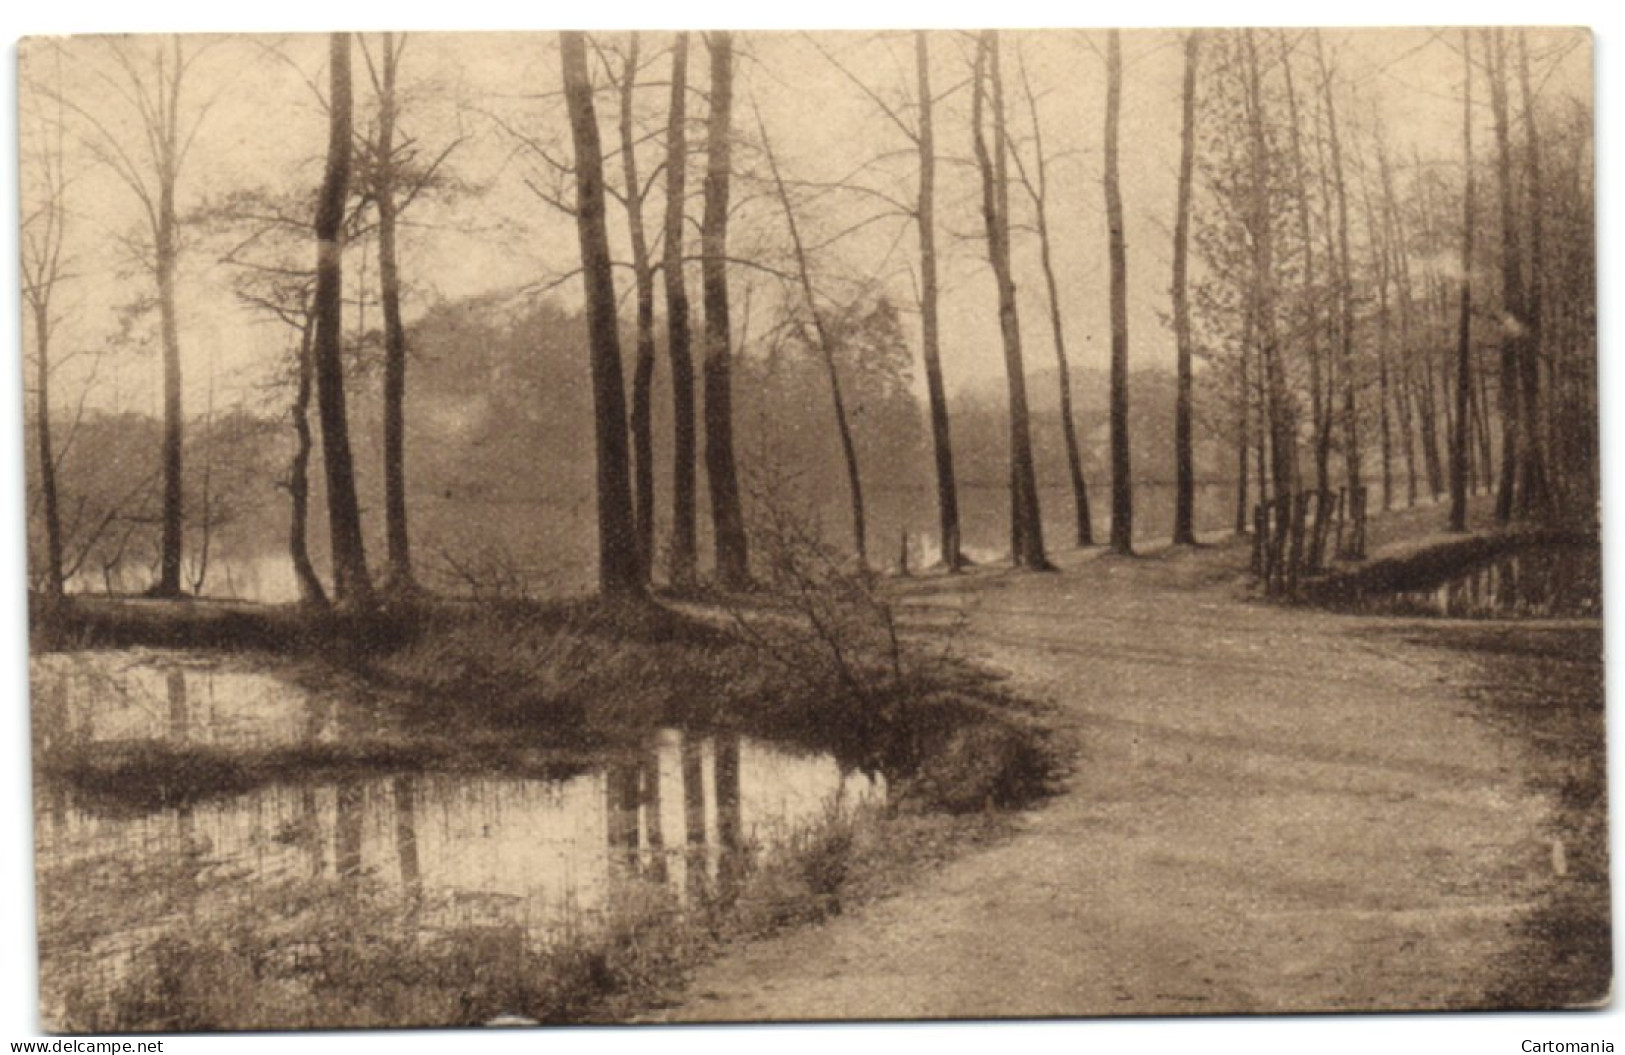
x,y
1184,459
384,179
1464,333
619,566
1319,401
926,216
351,586
310,584
727,514
643,365
678,336
1037,184
44,270
1122,540
1026,528
826,350
1535,492
153,84
1354,543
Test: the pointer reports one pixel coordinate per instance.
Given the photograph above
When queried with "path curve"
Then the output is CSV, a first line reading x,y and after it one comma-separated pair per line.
x,y
1272,810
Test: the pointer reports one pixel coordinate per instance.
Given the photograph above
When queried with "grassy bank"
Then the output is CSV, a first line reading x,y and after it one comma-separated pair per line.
x,y
513,686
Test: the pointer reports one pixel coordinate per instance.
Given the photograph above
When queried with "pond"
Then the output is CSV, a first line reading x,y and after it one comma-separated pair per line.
x,y
1533,582
535,854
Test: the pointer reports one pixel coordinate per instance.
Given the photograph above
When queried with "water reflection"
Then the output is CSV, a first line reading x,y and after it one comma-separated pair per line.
x,y
104,697
1543,582
683,811
538,848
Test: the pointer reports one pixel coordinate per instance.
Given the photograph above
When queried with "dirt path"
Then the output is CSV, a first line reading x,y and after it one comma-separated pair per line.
x,y
1272,810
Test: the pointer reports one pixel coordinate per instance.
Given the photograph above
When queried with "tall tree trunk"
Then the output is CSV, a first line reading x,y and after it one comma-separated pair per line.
x,y
643,365
1435,405
1513,306
1535,491
43,236
1327,401
1026,529
1277,401
1122,538
1038,189
47,449
167,255
849,453
351,586
727,515
399,579
1345,298
1315,352
1394,239
941,439
310,585
1481,421
1464,332
1377,236
1184,456
684,547
619,568
1243,439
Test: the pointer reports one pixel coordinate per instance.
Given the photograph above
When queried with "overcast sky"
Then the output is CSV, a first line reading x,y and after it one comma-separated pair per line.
x,y
262,126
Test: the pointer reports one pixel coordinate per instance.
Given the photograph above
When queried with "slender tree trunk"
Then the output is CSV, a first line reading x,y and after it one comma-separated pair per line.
x,y
1436,406
1327,398
1481,421
1184,455
1535,491
1122,539
1464,333
849,453
643,365
727,515
941,439
620,570
351,586
1277,400
310,585
1243,439
43,235
1394,238
399,578
47,449
169,575
684,548
1315,350
1345,297
1026,529
1513,426
1377,235
1038,190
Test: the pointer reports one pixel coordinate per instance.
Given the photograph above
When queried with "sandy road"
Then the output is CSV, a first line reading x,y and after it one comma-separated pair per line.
x,y
1272,810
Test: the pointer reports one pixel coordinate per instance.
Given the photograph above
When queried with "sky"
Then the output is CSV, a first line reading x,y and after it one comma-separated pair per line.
x,y
1329,1035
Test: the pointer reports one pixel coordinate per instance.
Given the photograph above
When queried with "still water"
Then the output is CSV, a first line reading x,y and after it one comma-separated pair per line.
x,y
551,551
1537,582
484,849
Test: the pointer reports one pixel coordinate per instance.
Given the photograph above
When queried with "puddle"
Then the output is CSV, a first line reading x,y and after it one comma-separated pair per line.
x,y
485,849
1545,582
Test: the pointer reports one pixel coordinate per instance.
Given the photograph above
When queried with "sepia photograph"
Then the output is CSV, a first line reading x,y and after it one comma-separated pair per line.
x,y
653,526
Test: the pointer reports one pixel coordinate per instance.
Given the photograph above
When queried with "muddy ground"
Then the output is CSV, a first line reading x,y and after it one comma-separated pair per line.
x,y
1272,809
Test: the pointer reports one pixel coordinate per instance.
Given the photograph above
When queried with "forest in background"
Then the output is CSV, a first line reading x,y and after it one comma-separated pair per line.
x,y
1387,314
